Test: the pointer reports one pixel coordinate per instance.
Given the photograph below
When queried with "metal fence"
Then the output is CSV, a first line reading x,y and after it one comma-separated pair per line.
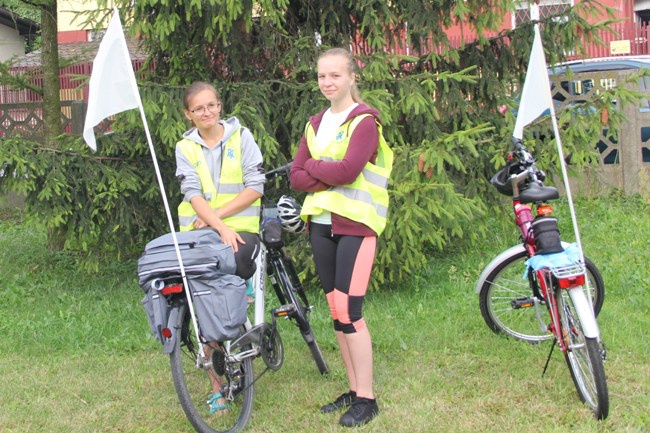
x,y
21,109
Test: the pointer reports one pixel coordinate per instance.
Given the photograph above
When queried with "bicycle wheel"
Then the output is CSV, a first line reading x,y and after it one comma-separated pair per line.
x,y
290,293
584,357
512,305
193,385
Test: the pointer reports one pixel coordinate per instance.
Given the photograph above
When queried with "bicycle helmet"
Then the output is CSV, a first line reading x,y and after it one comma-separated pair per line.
x,y
289,214
501,179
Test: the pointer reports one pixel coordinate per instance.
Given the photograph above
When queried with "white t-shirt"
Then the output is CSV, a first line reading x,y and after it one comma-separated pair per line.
x,y
327,129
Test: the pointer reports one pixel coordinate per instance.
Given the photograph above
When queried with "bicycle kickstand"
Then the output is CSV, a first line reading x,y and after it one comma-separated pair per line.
x,y
549,357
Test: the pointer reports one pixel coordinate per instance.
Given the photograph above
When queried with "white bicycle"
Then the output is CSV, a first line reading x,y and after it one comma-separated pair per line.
x,y
195,362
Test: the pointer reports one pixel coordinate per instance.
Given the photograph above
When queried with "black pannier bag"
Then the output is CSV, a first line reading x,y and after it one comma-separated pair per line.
x,y
546,235
219,296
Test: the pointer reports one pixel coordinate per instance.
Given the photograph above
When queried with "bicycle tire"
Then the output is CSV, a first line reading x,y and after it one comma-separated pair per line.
x,y
316,353
302,321
584,357
505,286
193,384
301,311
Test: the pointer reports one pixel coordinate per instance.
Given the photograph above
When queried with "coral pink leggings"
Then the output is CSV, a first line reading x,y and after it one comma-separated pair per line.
x,y
344,264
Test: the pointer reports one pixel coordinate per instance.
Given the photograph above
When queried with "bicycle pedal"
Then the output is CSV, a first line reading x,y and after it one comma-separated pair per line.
x,y
284,310
522,303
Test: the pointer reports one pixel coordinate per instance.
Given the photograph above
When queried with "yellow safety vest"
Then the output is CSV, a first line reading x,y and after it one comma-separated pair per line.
x,y
231,183
366,199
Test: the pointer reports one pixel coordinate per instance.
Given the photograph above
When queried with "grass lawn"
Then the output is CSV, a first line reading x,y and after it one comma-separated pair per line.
x,y
76,354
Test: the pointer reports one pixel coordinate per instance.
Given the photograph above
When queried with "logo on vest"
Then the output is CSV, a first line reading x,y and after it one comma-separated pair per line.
x,y
230,153
339,136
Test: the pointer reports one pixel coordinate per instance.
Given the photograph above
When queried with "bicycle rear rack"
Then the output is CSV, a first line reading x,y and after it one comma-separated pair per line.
x,y
569,276
574,270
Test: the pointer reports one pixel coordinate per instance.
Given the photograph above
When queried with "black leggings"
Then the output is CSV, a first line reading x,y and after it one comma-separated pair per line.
x,y
246,254
343,264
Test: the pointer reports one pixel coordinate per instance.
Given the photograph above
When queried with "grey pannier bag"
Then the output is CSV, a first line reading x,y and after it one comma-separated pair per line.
x,y
220,304
219,296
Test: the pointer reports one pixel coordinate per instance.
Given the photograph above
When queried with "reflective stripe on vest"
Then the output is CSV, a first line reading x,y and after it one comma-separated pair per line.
x,y
230,185
365,200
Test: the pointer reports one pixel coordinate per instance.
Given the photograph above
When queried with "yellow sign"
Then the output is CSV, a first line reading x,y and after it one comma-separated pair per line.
x,y
619,47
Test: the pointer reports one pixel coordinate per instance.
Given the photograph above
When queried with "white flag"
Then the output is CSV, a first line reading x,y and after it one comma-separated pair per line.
x,y
536,96
112,87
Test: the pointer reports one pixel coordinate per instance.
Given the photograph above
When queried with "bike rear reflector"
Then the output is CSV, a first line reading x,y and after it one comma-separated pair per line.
x,y
166,332
544,210
567,283
177,288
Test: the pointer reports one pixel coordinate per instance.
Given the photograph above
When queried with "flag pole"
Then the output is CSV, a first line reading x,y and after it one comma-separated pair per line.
x,y
565,178
163,193
170,221
534,14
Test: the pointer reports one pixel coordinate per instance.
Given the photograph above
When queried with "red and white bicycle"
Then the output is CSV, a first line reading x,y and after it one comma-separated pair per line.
x,y
544,273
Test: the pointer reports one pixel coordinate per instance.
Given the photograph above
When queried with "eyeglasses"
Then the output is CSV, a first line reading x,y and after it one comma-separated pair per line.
x,y
212,107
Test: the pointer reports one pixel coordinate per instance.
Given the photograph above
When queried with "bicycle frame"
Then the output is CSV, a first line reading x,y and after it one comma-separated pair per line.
x,y
259,308
259,283
571,279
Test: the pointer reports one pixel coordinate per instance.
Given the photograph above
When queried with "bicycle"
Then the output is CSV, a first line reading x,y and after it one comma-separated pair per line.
x,y
195,363
281,270
544,272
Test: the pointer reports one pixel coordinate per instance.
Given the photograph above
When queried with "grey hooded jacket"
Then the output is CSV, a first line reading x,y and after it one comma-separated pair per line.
x,y
252,162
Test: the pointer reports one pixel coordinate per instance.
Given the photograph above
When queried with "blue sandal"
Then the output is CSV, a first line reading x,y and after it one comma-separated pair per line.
x,y
214,406
250,292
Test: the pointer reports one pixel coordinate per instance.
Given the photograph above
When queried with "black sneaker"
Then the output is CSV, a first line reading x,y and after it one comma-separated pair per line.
x,y
362,411
343,400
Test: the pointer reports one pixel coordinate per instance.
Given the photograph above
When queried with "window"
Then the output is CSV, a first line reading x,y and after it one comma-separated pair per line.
x,y
546,8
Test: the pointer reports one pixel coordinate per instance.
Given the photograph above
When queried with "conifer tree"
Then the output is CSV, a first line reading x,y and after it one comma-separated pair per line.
x,y
439,106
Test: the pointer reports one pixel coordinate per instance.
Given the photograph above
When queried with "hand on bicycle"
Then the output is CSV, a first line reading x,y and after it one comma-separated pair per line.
x,y
230,237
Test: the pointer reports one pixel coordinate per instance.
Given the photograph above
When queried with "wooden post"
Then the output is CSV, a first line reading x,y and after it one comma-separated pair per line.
x,y
78,117
630,146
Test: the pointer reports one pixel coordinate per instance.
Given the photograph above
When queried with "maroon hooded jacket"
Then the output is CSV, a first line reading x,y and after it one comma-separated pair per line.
x,y
312,175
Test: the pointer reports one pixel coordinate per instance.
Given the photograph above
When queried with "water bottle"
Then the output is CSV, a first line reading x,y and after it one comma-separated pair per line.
x,y
523,218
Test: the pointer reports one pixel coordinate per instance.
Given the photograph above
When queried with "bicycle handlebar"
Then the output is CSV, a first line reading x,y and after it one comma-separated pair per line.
x,y
530,173
520,171
526,157
283,170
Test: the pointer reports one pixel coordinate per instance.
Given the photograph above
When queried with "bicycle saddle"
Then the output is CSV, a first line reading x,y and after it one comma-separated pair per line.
x,y
535,192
